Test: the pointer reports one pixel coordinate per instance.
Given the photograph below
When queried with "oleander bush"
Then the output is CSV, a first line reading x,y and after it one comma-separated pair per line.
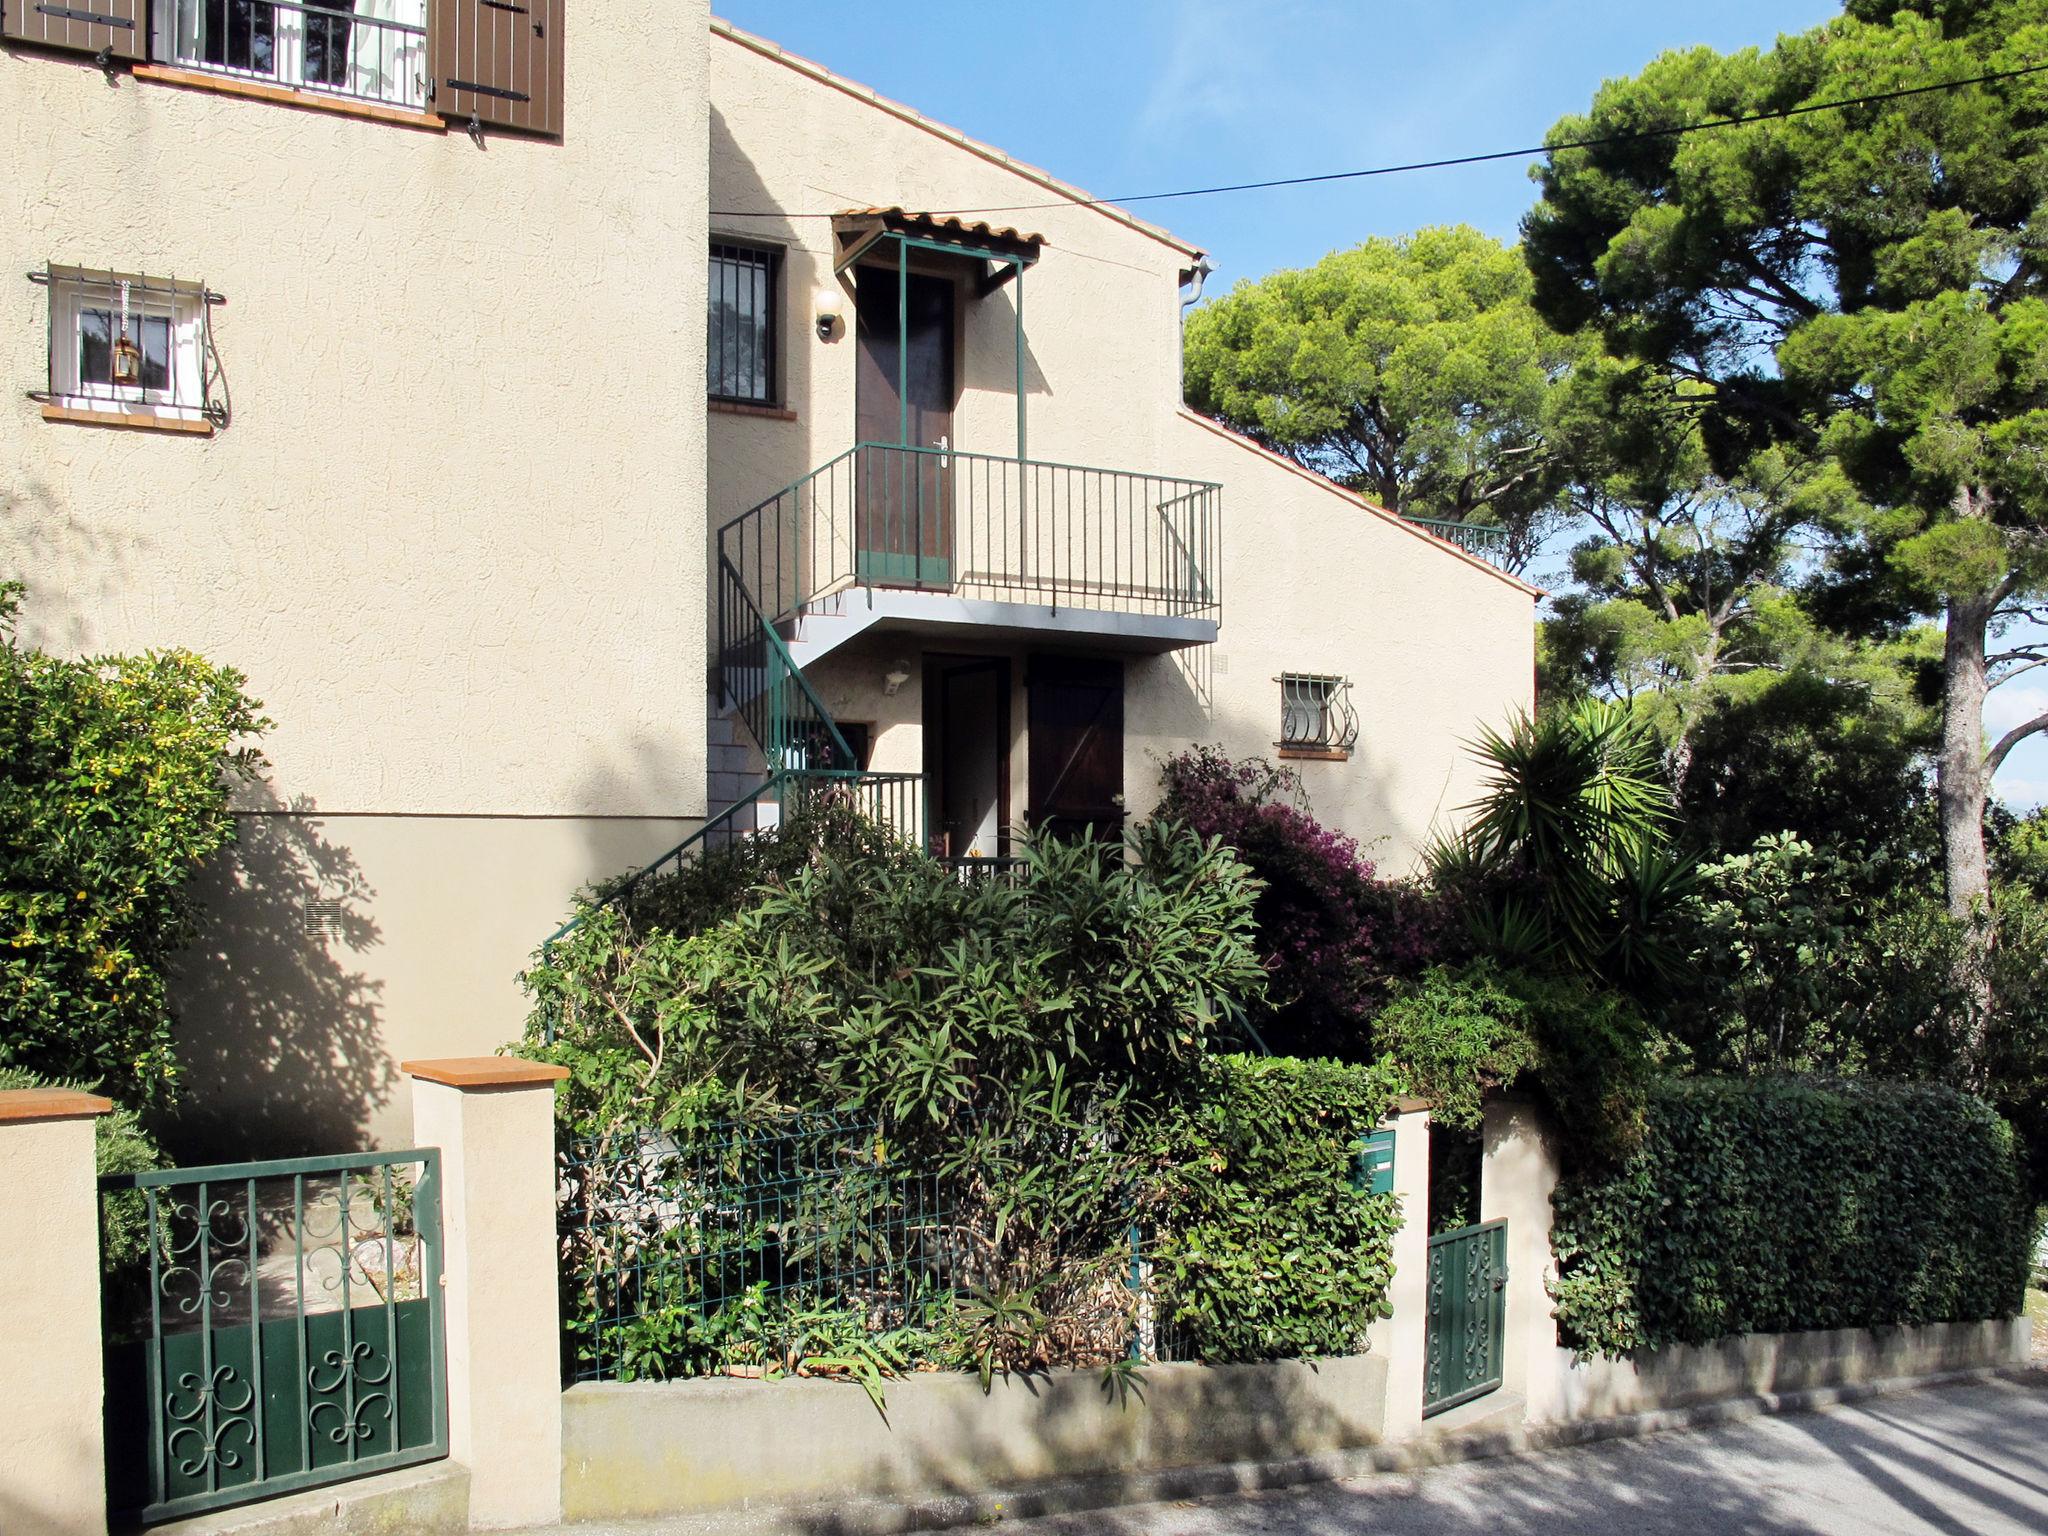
x,y
993,1082
1772,1205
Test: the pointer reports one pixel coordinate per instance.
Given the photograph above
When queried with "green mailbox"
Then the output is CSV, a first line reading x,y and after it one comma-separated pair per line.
x,y
1373,1173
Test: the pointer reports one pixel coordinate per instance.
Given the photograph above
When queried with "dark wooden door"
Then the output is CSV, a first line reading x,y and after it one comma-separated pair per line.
x,y
1076,752
904,395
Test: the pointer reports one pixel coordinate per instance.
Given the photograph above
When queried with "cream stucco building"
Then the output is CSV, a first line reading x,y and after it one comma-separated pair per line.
x,y
369,356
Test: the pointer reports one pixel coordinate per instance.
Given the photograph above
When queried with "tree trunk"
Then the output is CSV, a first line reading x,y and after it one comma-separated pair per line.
x,y
1961,784
1962,787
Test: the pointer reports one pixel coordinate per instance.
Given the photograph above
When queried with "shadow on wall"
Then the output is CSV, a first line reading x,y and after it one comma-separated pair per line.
x,y
71,568
280,1035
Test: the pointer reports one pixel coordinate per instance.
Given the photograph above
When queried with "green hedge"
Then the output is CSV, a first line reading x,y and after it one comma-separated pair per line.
x,y
1266,1248
1780,1204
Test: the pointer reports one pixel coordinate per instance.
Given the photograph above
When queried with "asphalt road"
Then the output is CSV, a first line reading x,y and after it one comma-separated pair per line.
x,y
1967,1460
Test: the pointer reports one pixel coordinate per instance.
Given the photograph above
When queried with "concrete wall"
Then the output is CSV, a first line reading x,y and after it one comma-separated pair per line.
x,y
452,534
648,1449
1312,580
1753,1364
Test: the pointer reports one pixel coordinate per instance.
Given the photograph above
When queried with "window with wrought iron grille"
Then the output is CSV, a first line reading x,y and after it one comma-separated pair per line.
x,y
744,297
128,345
366,50
1316,718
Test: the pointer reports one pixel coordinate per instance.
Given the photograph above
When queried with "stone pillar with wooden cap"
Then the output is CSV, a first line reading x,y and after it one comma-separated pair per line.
x,y
1404,1337
53,1471
1518,1173
493,1119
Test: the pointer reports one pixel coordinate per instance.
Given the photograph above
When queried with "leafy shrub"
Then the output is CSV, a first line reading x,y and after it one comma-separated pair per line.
x,y
1267,1247
1809,957
1332,935
1780,1204
1459,1035
1026,1043
115,775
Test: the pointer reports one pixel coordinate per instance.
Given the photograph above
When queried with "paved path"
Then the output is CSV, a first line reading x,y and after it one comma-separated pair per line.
x,y
1961,1461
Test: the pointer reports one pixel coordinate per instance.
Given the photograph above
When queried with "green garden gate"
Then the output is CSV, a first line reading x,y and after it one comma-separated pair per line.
x,y
270,1327
1468,1278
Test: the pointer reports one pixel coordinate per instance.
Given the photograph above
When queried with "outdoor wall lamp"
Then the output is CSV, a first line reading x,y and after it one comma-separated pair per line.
x,y
830,305
897,675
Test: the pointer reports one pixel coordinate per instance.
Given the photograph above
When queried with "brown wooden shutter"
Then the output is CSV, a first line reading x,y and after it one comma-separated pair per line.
x,y
498,62
86,26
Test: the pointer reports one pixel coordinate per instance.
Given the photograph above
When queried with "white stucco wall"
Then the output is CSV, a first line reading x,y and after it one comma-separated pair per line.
x,y
453,534
1312,579
442,534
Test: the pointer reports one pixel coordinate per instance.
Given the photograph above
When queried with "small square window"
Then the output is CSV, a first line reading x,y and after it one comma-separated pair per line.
x,y
744,296
130,345
1316,718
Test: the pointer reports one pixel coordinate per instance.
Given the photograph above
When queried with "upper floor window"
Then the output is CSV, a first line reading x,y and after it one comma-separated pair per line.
x,y
1316,717
370,50
130,345
475,63
743,301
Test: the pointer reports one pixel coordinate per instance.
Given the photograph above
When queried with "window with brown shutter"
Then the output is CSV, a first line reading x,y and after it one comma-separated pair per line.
x,y
113,27
498,63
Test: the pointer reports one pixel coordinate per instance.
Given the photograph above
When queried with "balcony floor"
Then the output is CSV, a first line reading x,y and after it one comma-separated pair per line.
x,y
829,622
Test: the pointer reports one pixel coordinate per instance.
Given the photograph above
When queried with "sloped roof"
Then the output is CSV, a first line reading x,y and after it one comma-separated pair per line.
x,y
761,45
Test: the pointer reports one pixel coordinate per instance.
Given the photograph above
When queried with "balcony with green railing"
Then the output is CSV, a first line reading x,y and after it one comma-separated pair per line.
x,y
936,539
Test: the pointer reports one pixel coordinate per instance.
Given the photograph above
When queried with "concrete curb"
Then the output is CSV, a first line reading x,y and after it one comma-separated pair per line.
x,y
933,1512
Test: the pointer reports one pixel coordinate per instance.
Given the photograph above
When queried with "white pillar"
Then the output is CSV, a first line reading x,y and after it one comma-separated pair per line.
x,y
493,1119
53,1465
1516,1178
1405,1335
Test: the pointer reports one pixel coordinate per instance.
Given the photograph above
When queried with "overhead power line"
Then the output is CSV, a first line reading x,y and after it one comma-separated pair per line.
x,y
1636,136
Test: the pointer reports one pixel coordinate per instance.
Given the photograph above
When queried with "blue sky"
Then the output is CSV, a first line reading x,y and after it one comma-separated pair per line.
x,y
1152,95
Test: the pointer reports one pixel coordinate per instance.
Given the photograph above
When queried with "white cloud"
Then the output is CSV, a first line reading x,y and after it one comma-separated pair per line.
x,y
2007,707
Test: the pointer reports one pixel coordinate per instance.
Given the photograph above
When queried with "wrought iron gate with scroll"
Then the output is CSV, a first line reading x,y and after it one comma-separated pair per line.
x,y
1468,1277
270,1327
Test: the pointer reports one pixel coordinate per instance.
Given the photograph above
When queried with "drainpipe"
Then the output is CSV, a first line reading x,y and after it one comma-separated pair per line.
x,y
1191,283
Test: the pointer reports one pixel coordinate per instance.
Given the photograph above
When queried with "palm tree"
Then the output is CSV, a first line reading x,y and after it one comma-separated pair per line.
x,y
1565,861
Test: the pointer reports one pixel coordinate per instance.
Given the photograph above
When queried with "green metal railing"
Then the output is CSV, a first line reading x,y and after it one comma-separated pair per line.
x,y
979,526
1493,545
687,1253
271,1326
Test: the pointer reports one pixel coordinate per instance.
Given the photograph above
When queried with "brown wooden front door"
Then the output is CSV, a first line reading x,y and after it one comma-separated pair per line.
x,y
1076,752
904,501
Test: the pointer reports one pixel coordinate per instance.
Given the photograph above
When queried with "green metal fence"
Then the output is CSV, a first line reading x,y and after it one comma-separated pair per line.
x,y
271,1327
683,1253
1494,545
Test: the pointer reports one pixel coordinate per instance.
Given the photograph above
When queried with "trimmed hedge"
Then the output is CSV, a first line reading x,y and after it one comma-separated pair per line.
x,y
1267,1249
1780,1204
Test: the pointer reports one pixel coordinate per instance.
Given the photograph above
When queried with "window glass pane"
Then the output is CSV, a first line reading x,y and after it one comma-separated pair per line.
x,y
327,44
95,347
151,334
741,359
239,34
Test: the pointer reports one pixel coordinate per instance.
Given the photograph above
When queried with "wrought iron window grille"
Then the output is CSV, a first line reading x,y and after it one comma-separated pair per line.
x,y
125,343
1316,713
745,302
334,50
